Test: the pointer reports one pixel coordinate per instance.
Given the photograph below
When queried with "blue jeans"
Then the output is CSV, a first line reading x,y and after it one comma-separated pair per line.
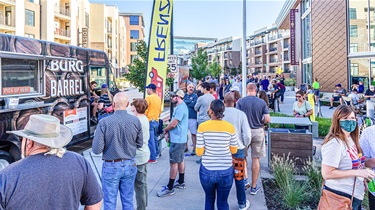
x,y
153,141
118,176
240,184
101,116
216,183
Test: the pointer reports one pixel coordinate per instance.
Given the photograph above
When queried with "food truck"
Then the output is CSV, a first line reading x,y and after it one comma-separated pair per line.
x,y
40,77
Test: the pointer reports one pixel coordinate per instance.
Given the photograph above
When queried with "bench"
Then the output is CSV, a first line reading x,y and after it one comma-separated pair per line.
x,y
326,97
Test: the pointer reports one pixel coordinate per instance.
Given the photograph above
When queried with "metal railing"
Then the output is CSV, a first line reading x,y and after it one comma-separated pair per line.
x,y
258,62
62,11
257,52
286,46
286,59
273,60
109,30
62,32
6,21
272,49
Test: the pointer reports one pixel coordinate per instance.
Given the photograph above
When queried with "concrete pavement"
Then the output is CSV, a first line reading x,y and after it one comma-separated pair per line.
x,y
192,197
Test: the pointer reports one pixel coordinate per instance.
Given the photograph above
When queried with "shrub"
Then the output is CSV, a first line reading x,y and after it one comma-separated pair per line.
x,y
313,173
283,170
290,82
323,126
295,194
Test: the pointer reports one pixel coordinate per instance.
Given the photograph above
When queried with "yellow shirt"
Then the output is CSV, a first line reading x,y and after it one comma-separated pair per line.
x,y
154,107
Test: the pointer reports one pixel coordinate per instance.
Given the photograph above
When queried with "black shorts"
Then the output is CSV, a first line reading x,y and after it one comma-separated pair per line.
x,y
176,152
336,98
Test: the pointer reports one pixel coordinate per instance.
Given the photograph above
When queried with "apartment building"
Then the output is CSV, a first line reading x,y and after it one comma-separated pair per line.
x,y
267,50
134,26
104,31
227,52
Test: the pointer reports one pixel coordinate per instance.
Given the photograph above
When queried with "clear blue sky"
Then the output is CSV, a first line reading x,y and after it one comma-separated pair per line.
x,y
209,18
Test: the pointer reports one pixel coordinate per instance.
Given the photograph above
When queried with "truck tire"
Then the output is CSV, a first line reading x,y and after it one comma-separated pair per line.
x,y
5,159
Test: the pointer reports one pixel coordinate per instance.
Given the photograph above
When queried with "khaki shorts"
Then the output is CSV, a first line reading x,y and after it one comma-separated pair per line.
x,y
258,144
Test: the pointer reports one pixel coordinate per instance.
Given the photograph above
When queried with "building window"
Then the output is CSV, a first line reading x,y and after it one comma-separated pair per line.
x,y
30,36
352,13
134,34
19,74
353,47
29,18
353,31
133,46
354,69
31,1
134,20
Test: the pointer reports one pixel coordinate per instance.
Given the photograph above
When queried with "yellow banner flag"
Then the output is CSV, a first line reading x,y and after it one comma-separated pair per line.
x,y
312,103
158,45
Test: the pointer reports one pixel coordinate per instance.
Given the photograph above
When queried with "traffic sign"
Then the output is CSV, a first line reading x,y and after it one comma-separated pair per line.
x,y
172,63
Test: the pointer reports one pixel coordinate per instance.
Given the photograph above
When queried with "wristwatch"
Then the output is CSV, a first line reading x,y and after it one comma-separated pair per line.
x,y
304,115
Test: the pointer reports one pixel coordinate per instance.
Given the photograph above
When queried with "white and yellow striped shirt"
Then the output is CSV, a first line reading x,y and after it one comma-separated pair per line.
x,y
216,141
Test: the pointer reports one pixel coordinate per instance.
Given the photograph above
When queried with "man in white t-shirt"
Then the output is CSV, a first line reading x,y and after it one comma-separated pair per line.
x,y
357,102
367,143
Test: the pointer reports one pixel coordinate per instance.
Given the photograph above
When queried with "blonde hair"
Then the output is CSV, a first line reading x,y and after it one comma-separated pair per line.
x,y
106,91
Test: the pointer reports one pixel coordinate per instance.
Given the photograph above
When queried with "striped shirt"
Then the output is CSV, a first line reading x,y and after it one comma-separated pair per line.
x,y
216,140
105,100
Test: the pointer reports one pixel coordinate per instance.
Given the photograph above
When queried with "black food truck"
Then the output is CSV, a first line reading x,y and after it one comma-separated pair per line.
x,y
40,77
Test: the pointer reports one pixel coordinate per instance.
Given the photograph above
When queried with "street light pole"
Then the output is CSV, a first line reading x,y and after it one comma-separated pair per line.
x,y
244,58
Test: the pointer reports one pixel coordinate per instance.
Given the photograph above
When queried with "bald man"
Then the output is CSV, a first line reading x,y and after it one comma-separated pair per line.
x,y
257,114
117,137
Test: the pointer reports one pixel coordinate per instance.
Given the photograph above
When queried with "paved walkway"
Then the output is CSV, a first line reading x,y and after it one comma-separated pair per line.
x,y
192,197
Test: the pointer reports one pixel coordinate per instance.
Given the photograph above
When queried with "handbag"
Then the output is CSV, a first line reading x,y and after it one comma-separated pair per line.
x,y
108,109
333,201
239,168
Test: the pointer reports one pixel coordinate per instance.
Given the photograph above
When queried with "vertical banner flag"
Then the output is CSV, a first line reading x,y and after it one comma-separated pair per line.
x,y
293,60
158,45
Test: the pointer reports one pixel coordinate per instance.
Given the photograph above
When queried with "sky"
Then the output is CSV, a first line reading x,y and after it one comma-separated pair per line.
x,y
208,18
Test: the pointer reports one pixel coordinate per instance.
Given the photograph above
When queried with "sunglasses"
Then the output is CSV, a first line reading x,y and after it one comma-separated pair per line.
x,y
298,96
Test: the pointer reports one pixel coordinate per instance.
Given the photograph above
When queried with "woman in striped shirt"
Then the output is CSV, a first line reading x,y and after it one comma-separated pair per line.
x,y
216,141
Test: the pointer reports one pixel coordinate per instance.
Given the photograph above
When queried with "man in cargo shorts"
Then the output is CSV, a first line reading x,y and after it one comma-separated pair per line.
x,y
257,114
176,133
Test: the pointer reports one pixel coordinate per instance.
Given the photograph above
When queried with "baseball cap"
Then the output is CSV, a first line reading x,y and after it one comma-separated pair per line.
x,y
233,88
104,86
179,93
338,85
151,86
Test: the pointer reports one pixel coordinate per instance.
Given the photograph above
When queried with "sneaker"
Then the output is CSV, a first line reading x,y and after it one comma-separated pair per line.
x,y
193,153
247,184
165,192
331,107
179,186
254,191
157,157
247,206
186,150
152,161
199,161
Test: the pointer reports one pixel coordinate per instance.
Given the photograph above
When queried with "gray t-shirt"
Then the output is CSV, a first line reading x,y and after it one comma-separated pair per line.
x,y
49,182
303,109
201,107
254,109
337,155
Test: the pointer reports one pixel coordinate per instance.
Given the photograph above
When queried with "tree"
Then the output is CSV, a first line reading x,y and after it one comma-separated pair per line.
x,y
137,69
233,71
199,65
214,68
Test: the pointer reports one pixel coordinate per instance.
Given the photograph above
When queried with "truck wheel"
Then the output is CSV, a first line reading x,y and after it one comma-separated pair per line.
x,y
5,159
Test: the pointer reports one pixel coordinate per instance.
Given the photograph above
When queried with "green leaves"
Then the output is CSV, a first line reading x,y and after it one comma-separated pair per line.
x,y
215,69
199,65
137,70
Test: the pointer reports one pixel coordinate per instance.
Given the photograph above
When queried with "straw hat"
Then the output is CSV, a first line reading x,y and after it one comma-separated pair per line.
x,y
46,130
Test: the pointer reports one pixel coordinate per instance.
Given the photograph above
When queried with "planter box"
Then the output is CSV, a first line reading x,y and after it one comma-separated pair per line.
x,y
297,143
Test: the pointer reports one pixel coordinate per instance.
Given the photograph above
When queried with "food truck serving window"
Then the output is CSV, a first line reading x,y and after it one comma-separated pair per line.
x,y
19,76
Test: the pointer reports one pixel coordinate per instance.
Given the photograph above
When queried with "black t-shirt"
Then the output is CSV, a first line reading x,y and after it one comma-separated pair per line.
x,y
369,93
49,182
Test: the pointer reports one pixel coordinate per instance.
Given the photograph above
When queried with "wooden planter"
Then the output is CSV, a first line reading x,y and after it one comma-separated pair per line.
x,y
297,143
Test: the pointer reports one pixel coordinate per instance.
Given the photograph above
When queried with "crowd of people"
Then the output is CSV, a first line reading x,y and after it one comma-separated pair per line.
x,y
226,126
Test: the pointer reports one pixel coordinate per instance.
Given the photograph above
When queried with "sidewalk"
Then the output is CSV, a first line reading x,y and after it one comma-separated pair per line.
x,y
192,197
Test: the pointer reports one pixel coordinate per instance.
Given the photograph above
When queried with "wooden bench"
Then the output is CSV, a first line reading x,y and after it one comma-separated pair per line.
x,y
327,97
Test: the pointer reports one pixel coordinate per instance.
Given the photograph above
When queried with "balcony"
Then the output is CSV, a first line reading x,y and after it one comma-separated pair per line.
x,y
8,22
273,60
273,49
286,59
62,32
278,36
109,30
257,52
286,46
8,2
258,62
62,12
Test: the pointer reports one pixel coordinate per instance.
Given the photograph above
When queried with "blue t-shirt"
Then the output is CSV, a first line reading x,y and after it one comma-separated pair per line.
x,y
190,101
179,133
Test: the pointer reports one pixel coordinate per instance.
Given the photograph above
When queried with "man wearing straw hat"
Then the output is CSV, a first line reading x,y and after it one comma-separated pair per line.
x,y
48,177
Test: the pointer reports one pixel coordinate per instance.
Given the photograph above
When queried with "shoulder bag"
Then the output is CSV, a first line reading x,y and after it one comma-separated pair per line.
x,y
333,201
